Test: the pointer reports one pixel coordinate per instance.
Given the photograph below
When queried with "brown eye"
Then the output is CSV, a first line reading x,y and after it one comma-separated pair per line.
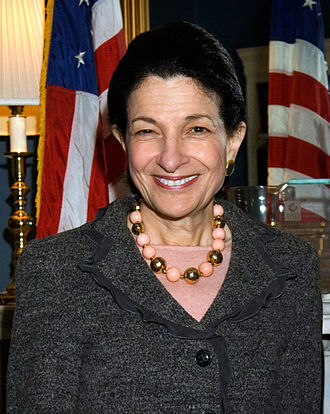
x,y
144,132
198,130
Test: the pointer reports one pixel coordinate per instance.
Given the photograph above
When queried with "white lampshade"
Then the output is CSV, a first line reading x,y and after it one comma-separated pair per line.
x,y
21,46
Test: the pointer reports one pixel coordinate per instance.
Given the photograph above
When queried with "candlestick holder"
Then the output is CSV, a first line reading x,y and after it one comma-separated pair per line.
x,y
19,223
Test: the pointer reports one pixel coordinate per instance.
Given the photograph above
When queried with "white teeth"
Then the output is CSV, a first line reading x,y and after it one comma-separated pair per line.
x,y
176,182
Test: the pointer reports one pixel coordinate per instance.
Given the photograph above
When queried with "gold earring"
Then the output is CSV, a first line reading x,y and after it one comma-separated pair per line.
x,y
230,167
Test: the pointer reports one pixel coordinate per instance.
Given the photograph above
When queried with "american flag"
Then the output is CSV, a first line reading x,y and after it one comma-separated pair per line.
x,y
79,160
299,110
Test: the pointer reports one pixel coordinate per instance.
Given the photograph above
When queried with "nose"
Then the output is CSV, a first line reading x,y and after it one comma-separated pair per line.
x,y
172,155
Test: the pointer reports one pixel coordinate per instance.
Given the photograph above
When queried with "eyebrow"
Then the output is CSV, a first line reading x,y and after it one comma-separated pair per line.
x,y
142,118
192,117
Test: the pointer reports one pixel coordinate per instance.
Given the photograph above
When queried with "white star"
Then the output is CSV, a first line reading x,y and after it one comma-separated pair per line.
x,y
309,3
80,58
83,1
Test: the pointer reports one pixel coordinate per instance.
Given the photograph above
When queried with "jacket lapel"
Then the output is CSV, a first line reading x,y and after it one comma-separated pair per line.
x,y
124,266
253,276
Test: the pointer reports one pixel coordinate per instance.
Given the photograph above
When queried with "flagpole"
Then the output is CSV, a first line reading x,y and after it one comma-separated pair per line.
x,y
135,17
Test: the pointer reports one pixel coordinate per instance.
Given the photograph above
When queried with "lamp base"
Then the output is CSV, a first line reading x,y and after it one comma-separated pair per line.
x,y
19,223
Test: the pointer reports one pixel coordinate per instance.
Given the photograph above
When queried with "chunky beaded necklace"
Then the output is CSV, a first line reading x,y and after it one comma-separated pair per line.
x,y
173,274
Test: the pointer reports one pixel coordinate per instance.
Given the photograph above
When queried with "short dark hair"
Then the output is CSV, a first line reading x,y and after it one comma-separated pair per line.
x,y
177,49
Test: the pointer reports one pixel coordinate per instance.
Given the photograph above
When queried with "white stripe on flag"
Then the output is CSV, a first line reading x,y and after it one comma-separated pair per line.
x,y
79,163
106,21
275,176
301,56
285,174
301,123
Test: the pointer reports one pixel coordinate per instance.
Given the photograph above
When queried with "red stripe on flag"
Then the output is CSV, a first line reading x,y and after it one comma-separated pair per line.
x,y
98,186
298,155
299,89
57,138
107,57
116,161
109,162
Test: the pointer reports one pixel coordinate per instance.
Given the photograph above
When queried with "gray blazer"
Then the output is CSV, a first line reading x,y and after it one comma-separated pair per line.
x,y
95,332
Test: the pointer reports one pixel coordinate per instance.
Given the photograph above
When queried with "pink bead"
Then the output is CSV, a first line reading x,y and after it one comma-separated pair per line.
x,y
142,239
206,268
135,217
218,210
173,274
218,233
218,244
149,252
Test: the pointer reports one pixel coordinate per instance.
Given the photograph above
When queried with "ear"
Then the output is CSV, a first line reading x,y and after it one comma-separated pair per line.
x,y
235,141
119,136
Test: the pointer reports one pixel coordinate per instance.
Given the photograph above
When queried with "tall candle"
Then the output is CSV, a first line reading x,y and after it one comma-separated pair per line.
x,y
18,141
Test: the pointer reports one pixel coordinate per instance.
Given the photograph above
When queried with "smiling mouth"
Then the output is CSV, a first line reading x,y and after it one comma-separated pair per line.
x,y
177,183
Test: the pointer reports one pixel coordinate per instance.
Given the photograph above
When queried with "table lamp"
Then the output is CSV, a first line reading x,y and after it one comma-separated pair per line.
x,y
21,43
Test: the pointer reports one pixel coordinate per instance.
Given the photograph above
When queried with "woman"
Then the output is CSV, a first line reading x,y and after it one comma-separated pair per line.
x,y
97,330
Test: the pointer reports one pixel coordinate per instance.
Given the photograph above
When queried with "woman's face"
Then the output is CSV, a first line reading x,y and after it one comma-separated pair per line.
x,y
177,145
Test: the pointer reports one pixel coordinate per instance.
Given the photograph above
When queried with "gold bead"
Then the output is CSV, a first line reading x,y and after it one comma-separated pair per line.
x,y
137,206
138,228
158,264
219,221
191,275
214,257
